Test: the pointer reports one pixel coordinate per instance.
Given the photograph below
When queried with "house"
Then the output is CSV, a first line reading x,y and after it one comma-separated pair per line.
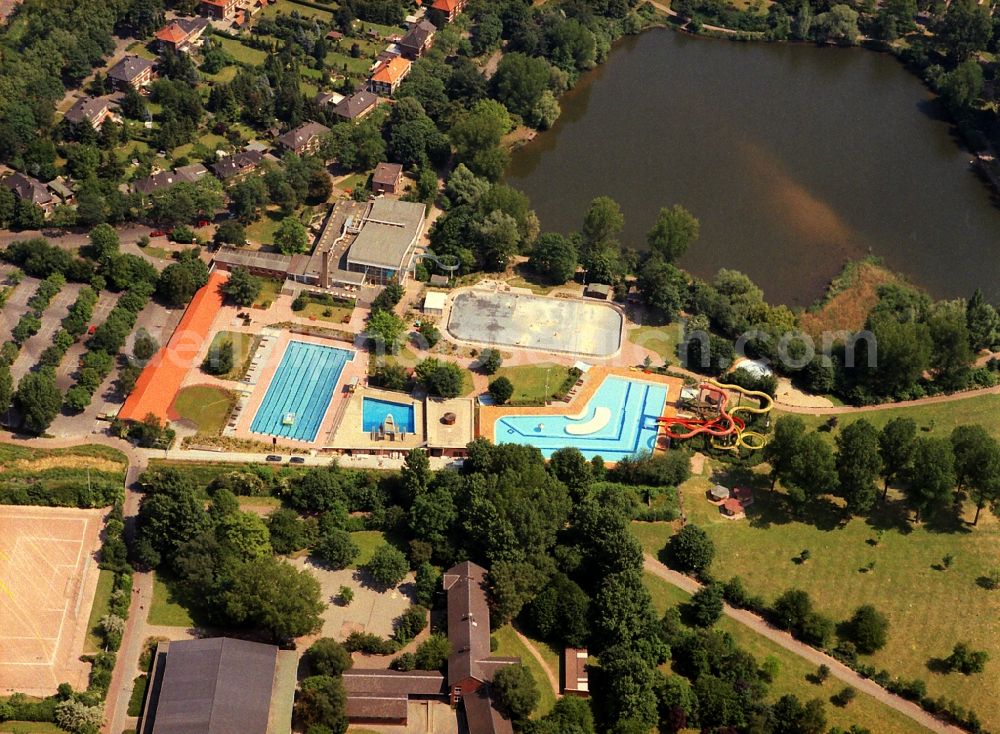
x,y
385,245
217,686
380,697
166,179
60,188
30,190
471,666
92,110
574,672
328,98
601,291
237,166
221,9
388,76
334,36
356,106
434,303
303,139
417,40
131,72
181,34
447,10
387,178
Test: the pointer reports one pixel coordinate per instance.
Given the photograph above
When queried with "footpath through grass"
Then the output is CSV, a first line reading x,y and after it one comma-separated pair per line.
x,y
929,608
791,678
509,645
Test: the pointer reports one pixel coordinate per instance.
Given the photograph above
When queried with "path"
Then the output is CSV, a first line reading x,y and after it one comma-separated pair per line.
x,y
814,656
663,8
549,673
848,409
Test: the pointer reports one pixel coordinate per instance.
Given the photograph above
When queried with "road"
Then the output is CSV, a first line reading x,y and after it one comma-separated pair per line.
x,y
814,656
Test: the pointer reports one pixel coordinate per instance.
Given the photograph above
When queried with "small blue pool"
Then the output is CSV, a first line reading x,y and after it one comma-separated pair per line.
x,y
374,412
300,391
619,421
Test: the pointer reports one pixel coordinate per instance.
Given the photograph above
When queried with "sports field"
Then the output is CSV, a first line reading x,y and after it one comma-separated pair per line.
x,y
48,576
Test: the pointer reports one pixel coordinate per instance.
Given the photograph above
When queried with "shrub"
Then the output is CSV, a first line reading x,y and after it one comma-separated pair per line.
x,y
490,361
501,390
369,644
326,656
966,660
410,624
868,629
690,550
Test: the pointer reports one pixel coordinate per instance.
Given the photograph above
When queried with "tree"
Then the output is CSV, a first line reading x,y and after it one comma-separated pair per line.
x,y
490,361
145,346
443,379
415,475
497,239
432,653
486,34
288,532
662,286
6,386
275,597
868,629
39,400
896,441
674,231
219,359
104,242
839,24
602,224
811,471
963,85
322,705
858,465
465,187
231,232
336,549
931,475
247,198
501,390
792,717
242,287
179,281
966,660
951,353
291,236
385,330
554,257
982,321
977,465
516,691
388,566
965,28
519,82
705,606
792,609
690,550
326,656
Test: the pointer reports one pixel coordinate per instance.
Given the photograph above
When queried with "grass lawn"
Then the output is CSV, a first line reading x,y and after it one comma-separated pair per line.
x,y
251,504
165,609
287,6
528,278
206,407
57,471
157,252
660,339
367,541
141,49
530,381
138,694
509,645
241,53
102,600
263,229
791,678
270,289
935,419
354,180
929,610
30,727
550,653
224,75
244,346
318,311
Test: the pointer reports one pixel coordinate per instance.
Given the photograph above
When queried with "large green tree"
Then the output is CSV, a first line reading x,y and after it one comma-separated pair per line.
x,y
39,400
931,475
675,229
275,597
858,465
896,441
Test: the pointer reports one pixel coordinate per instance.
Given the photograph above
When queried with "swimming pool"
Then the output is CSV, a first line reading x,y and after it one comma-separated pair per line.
x,y
375,411
618,421
300,391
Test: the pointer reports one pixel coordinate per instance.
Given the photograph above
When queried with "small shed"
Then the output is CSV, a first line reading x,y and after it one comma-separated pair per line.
x,y
439,281
719,493
732,508
602,291
434,303
574,670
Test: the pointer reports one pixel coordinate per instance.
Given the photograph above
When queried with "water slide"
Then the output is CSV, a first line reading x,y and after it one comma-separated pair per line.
x,y
725,424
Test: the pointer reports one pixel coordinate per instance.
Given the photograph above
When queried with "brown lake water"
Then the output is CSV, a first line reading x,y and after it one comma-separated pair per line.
x,y
795,159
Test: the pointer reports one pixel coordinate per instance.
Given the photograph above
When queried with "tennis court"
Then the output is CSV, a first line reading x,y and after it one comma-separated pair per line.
x,y
498,318
48,576
300,391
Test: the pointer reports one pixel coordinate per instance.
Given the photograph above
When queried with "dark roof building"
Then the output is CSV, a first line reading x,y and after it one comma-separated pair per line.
x,y
303,139
239,164
575,680
382,696
386,178
132,71
93,110
28,189
356,106
417,40
212,686
166,179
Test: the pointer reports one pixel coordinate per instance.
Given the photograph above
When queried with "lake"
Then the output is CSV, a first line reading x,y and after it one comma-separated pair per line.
x,y
795,159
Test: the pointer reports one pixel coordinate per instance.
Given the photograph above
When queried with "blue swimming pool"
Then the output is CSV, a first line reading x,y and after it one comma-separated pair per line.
x,y
374,413
300,391
618,421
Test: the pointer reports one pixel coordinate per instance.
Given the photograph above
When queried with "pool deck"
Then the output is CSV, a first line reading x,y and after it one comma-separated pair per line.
x,y
349,435
592,380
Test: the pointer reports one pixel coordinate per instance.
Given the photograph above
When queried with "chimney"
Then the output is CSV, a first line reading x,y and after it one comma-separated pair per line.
x,y
324,270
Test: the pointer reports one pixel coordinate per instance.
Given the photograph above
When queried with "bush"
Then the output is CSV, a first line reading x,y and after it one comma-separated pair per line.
x,y
501,389
966,660
391,295
432,653
182,234
404,663
369,643
868,629
410,624
490,361
690,550
326,656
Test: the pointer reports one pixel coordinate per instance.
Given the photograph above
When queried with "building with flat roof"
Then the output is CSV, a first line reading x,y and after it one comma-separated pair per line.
x,y
434,303
218,686
385,246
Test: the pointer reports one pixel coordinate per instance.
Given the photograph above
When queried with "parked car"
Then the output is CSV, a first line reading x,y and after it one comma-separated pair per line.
x,y
297,460
92,329
203,222
273,457
157,233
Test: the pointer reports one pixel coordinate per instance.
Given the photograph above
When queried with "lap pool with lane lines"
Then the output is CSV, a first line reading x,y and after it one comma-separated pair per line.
x,y
300,391
619,421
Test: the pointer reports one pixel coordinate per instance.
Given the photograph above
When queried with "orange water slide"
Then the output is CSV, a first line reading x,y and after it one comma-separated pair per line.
x,y
162,377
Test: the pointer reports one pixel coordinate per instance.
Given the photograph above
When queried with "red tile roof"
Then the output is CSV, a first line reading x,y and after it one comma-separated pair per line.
x,y
173,33
446,6
391,71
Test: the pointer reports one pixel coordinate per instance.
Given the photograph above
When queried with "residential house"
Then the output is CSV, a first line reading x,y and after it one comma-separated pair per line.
x,y
60,187
92,110
356,106
334,36
575,681
182,34
305,138
388,76
131,72
419,38
328,98
221,9
387,178
166,179
237,166
30,190
446,10
219,685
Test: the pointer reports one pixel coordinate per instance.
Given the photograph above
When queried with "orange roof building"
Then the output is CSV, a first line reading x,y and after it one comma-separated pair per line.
x,y
388,75
163,375
448,9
